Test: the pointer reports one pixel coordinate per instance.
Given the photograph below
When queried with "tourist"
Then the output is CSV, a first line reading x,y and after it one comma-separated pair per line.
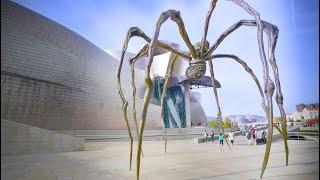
x,y
212,136
248,135
254,136
231,135
205,135
221,138
264,136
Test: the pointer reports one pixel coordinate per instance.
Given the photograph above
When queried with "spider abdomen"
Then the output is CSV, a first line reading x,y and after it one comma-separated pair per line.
x,y
196,70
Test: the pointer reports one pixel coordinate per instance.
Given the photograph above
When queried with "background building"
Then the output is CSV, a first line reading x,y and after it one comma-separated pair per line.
x,y
55,79
304,112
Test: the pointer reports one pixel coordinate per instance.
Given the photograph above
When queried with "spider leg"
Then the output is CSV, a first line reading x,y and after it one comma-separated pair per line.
x,y
279,97
269,85
141,53
135,31
256,15
132,32
175,16
243,64
206,25
164,92
216,98
248,69
133,60
272,33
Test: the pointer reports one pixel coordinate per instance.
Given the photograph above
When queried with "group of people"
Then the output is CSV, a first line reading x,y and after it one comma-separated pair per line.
x,y
252,136
221,137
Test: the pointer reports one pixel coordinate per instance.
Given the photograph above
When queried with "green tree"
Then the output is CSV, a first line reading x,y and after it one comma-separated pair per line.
x,y
213,124
276,119
235,124
227,123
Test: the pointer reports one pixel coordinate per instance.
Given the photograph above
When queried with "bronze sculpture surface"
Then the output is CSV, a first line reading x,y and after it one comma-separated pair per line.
x,y
197,56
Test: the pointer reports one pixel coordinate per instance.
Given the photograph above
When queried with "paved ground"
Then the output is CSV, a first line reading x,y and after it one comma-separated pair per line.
x,y
185,159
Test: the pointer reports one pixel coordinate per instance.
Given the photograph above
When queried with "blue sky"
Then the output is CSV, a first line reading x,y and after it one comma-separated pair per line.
x,y
105,23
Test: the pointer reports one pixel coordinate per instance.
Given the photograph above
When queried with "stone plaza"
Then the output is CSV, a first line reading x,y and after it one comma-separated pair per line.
x,y
185,159
61,115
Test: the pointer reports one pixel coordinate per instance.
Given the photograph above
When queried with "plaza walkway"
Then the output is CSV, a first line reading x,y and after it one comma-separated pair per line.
x,y
185,159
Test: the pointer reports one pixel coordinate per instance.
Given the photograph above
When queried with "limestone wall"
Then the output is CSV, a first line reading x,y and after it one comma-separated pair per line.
x,y
53,78
17,138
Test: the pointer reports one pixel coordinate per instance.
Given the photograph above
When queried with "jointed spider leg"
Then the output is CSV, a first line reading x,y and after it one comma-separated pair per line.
x,y
206,25
267,103
243,64
272,33
175,16
132,32
248,69
256,15
216,98
279,100
164,91
135,31
133,60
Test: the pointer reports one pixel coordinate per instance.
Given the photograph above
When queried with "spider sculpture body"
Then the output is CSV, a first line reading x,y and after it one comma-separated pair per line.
x,y
197,68
197,56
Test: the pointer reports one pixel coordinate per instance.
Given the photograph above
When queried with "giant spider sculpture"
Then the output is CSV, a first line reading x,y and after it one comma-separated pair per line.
x,y
197,57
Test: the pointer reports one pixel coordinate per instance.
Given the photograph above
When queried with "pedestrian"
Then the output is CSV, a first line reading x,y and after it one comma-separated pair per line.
x,y
231,135
254,136
221,138
248,135
205,135
264,136
212,136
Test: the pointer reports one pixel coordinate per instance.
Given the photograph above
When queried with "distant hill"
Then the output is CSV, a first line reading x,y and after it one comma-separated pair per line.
x,y
259,117
240,116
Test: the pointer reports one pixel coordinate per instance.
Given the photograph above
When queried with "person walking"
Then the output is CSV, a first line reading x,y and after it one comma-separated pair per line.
x,y
212,136
221,138
231,137
254,136
264,136
248,135
205,135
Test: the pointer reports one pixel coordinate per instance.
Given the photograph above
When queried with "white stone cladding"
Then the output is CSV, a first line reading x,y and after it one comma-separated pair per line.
x,y
53,78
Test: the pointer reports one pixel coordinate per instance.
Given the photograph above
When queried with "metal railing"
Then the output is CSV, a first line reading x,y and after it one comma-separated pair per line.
x,y
303,136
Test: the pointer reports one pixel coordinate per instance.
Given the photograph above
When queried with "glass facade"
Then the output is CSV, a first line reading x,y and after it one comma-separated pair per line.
x,y
176,94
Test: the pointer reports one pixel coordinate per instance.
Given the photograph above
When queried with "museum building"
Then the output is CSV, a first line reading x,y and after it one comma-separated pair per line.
x,y
53,78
